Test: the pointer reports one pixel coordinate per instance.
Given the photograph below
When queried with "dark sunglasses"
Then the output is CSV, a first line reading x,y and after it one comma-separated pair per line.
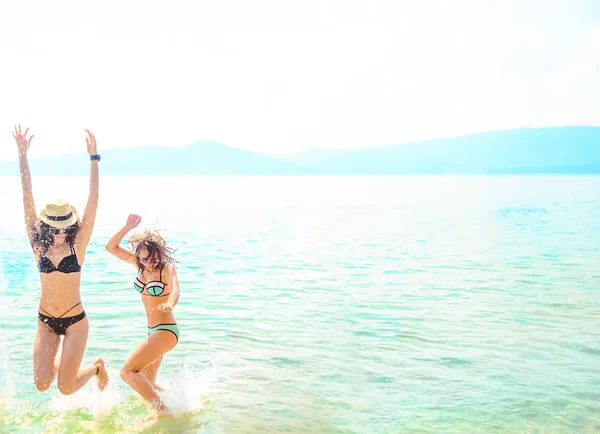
x,y
149,260
69,230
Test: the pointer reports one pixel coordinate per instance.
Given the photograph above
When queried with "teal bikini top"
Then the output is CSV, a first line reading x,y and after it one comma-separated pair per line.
x,y
154,288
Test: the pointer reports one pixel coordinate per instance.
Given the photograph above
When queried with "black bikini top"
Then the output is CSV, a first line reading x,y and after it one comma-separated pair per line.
x,y
68,264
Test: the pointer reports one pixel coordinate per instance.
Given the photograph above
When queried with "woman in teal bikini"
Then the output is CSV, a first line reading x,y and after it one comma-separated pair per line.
x,y
158,285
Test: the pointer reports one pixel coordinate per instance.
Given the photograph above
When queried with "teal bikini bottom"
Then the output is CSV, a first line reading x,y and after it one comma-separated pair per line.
x,y
173,328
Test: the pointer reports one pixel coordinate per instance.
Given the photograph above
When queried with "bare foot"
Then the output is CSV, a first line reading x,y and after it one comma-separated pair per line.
x,y
158,414
160,411
102,375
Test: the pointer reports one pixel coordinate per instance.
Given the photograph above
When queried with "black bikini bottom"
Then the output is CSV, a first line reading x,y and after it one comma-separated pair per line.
x,y
60,325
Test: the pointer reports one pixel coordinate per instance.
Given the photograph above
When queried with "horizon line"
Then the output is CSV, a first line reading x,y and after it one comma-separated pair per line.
x,y
5,158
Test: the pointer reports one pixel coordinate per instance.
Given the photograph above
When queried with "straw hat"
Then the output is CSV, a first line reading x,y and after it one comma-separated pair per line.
x,y
59,214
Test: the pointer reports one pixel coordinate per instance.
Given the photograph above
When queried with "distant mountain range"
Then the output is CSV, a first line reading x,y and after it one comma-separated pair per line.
x,y
205,157
556,150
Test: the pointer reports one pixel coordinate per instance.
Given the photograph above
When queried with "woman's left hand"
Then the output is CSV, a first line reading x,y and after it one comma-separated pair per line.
x,y
164,307
91,143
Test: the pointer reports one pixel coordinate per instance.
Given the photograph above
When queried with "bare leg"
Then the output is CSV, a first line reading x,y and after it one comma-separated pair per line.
x,y
45,349
148,352
150,371
70,377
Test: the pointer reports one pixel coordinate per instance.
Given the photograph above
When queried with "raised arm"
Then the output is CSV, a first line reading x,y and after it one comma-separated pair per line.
x,y
113,246
89,214
173,280
23,144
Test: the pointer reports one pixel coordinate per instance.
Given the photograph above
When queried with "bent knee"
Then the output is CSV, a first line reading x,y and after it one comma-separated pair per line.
x,y
43,385
126,371
66,388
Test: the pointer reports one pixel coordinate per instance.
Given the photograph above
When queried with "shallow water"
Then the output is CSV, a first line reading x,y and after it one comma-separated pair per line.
x,y
332,304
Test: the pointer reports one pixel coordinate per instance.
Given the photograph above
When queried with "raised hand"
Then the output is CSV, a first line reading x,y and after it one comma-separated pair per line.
x,y
133,221
90,140
23,142
164,307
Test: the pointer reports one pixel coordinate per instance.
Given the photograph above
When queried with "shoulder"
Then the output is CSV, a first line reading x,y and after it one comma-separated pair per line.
x,y
79,247
81,238
169,270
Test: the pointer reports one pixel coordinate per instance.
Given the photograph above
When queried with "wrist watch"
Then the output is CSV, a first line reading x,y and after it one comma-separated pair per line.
x,y
95,157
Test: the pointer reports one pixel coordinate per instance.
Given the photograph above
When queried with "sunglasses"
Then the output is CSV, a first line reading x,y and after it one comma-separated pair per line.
x,y
69,230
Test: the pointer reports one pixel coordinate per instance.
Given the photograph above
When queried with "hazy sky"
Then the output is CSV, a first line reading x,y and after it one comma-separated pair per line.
x,y
280,76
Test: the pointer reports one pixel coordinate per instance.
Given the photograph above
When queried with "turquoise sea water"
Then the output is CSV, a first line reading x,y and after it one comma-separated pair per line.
x,y
332,305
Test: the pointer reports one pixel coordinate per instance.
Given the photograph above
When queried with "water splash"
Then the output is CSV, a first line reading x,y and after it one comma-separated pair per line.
x,y
186,392
89,398
6,381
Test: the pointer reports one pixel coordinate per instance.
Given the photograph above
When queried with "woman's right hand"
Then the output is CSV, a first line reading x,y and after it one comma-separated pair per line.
x,y
133,221
23,142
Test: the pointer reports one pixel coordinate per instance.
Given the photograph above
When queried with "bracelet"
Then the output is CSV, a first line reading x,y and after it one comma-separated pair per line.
x,y
95,157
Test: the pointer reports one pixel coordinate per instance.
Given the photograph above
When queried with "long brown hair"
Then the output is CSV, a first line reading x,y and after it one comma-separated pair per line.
x,y
155,245
43,236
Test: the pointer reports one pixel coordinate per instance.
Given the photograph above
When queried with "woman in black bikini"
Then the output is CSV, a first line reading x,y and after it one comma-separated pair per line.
x,y
57,236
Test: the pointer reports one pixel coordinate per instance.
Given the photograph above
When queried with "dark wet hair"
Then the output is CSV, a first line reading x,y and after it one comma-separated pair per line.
x,y
43,236
156,247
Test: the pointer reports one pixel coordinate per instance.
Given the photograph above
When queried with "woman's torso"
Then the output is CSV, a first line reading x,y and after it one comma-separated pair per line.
x,y
60,278
154,288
